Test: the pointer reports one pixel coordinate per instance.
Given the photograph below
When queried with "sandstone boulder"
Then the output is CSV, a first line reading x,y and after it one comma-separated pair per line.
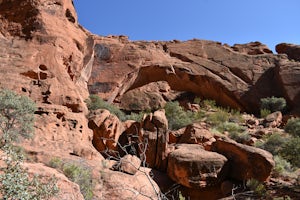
x,y
291,50
129,164
107,129
197,134
245,162
273,120
191,166
175,135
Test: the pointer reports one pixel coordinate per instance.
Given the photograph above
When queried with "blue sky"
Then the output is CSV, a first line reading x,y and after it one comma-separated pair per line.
x,y
227,21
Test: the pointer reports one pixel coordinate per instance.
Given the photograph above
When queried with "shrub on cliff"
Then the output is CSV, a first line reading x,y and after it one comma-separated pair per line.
x,y
273,104
95,102
16,121
293,126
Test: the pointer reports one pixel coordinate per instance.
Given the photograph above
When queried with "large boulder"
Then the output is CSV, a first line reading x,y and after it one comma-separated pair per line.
x,y
191,166
245,162
107,129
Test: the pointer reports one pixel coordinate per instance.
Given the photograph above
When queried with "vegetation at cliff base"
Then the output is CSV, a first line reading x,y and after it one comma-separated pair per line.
x,y
16,121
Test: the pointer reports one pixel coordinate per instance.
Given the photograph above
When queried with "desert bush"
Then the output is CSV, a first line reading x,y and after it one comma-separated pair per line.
x,y
272,143
257,187
293,126
240,137
230,127
16,121
282,167
290,151
16,117
177,116
16,184
264,112
273,104
82,176
208,104
218,117
55,163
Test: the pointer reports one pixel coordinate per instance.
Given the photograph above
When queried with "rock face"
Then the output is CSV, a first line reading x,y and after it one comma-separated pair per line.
x,y
237,76
291,50
191,166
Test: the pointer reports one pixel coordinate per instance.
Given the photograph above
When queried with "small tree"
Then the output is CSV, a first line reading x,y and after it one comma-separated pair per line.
x,y
273,104
16,120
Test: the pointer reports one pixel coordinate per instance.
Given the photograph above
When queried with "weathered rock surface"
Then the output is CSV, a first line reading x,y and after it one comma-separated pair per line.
x,y
289,80
245,162
47,56
107,129
273,120
151,96
118,185
129,164
155,138
237,77
291,50
197,134
191,166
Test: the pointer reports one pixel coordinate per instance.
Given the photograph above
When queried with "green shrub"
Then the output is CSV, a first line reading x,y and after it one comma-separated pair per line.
x,y
218,117
209,104
264,113
240,137
16,184
177,116
17,120
82,176
293,126
94,102
273,104
56,163
230,127
290,151
257,187
272,143
282,167
16,117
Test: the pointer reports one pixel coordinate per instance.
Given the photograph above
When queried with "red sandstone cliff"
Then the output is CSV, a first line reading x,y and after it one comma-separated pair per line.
x,y
46,55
